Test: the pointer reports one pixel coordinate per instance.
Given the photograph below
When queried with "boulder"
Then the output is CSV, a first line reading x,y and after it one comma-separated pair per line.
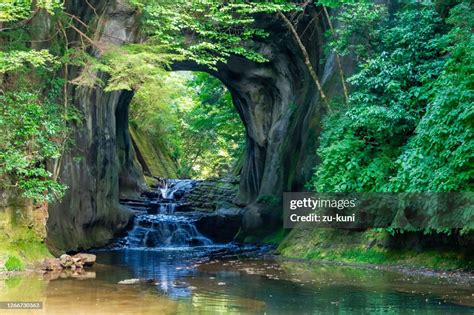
x,y
51,264
222,225
86,259
66,261
78,263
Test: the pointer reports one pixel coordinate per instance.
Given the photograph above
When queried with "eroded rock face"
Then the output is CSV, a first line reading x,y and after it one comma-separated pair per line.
x,y
281,109
277,102
209,195
222,225
102,157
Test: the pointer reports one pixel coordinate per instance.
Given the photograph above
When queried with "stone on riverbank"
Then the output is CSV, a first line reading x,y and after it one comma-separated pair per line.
x,y
135,281
129,281
52,264
66,261
87,259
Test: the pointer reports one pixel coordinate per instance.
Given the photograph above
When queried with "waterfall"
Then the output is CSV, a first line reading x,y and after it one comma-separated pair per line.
x,y
171,186
164,191
166,228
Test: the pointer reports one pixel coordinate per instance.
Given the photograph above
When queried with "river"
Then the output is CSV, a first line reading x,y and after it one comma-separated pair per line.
x,y
164,265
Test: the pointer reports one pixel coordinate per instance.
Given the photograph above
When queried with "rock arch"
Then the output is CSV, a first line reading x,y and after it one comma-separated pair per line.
x,y
276,101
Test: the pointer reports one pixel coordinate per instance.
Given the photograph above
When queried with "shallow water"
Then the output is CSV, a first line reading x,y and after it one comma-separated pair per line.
x,y
184,281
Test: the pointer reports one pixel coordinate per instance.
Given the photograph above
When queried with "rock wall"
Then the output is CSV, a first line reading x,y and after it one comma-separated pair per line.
x,y
281,110
101,164
277,102
152,157
23,228
374,246
211,194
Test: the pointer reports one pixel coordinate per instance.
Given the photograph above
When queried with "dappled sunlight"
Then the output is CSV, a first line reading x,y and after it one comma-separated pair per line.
x,y
189,116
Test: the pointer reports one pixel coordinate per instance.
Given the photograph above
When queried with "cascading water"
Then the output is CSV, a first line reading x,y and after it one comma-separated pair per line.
x,y
164,246
161,227
171,186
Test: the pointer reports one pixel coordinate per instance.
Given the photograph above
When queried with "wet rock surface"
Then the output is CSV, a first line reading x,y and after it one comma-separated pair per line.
x,y
210,195
221,225
184,213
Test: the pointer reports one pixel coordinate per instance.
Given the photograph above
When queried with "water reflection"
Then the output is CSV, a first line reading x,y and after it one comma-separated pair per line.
x,y
282,287
186,282
164,267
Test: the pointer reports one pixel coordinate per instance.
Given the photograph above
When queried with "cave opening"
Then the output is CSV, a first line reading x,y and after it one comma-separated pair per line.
x,y
183,134
185,125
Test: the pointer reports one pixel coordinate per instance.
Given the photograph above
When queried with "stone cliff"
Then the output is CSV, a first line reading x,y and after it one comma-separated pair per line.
x,y
277,102
101,163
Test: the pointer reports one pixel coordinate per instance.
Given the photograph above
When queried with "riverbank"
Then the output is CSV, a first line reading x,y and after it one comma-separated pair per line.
x,y
21,251
375,248
453,276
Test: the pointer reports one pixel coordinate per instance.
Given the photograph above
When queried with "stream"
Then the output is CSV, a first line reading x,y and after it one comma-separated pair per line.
x,y
164,265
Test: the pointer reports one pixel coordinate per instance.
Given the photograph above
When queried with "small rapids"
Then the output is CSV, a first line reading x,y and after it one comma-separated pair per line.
x,y
164,230
160,226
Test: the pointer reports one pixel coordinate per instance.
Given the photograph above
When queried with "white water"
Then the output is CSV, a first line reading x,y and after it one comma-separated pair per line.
x,y
165,229
173,185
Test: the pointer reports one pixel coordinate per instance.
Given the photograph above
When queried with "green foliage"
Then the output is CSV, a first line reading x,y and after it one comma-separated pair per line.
x,y
154,109
212,131
29,129
363,25
207,32
33,123
21,60
12,10
16,56
361,143
439,156
194,121
131,66
204,32
409,123
13,263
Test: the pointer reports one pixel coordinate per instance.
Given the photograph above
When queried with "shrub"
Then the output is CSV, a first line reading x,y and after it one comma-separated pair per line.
x,y
13,263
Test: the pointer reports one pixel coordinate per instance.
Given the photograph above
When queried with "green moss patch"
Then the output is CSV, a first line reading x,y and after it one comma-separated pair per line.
x,y
368,247
152,155
14,263
19,245
276,238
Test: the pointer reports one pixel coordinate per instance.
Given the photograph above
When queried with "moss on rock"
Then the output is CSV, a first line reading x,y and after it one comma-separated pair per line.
x,y
370,247
23,232
153,158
